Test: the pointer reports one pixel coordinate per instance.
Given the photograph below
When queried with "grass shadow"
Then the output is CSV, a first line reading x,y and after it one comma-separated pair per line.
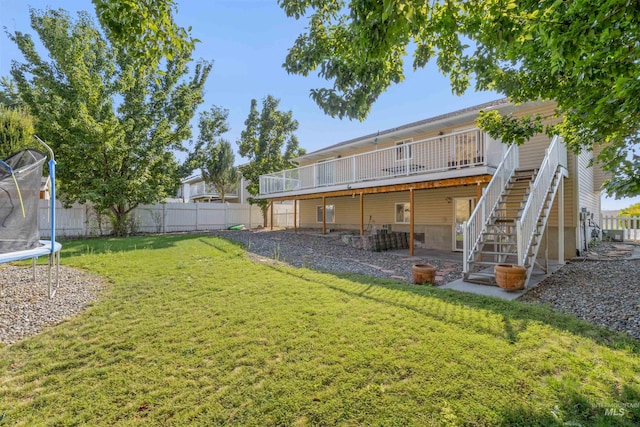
x,y
516,315
102,245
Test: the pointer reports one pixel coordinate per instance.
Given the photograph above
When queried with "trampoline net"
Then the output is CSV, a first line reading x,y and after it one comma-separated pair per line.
x,y
19,195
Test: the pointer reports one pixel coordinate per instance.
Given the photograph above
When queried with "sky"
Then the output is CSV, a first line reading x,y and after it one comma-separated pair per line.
x,y
248,42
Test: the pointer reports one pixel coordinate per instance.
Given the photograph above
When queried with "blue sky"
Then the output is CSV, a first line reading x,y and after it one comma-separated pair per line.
x,y
248,42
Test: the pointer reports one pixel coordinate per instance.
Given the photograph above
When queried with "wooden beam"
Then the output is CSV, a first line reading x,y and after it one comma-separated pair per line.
x,y
411,233
441,183
295,212
478,192
361,214
324,215
271,207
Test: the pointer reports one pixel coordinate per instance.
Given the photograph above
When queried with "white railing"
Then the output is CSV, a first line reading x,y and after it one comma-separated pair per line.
x,y
444,152
485,206
625,228
202,189
556,156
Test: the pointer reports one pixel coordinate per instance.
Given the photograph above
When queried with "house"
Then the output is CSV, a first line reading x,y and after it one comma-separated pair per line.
x,y
193,189
451,187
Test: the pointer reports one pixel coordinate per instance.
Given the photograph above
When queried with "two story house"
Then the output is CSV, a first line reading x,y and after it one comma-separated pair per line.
x,y
451,187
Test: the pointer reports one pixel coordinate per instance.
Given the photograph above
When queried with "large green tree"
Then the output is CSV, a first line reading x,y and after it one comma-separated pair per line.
x,y
583,54
112,121
147,29
269,143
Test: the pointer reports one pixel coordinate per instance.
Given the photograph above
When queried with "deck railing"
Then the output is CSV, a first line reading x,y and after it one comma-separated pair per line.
x,y
443,152
487,203
201,189
556,156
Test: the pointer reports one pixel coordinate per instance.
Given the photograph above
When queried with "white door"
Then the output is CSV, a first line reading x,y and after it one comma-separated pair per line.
x,y
462,208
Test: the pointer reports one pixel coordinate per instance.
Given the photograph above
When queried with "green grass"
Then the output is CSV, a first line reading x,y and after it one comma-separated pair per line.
x,y
190,332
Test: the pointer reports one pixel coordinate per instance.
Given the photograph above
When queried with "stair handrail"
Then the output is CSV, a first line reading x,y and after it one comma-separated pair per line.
x,y
474,226
555,156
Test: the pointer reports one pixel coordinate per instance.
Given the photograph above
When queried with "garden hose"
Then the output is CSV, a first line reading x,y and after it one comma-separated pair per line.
x,y
19,195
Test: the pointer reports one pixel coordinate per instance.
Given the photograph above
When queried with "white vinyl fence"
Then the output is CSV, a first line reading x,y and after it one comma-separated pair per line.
x,y
620,228
81,220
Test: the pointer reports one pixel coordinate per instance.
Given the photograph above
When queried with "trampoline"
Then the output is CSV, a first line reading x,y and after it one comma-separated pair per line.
x,y
20,180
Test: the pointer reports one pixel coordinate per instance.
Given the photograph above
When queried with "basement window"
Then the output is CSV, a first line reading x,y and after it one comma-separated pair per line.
x,y
402,213
331,218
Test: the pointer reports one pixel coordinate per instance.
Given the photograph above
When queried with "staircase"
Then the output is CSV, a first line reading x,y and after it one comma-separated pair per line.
x,y
515,217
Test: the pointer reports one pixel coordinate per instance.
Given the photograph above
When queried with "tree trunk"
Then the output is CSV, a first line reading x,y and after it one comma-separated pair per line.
x,y
265,210
119,221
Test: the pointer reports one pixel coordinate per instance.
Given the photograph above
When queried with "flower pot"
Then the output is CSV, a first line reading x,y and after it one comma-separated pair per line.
x,y
424,273
510,277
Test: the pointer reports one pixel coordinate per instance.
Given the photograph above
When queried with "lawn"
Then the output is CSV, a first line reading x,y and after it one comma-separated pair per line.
x,y
191,332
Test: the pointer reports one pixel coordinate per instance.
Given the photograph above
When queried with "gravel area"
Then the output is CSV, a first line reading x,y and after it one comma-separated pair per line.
x,y
329,253
25,307
603,289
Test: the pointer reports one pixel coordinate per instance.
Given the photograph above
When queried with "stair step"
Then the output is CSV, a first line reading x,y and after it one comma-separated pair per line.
x,y
497,242
506,220
489,263
529,170
489,281
498,253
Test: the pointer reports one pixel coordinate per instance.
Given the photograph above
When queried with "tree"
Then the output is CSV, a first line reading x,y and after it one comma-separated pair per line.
x,y
145,28
112,121
212,154
16,131
269,143
582,54
633,210
211,124
219,171
9,96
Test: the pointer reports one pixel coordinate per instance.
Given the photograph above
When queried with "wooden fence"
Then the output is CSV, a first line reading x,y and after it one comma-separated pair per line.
x,y
620,228
81,220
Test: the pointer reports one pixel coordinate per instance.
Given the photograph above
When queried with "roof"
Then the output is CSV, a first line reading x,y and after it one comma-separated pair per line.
x,y
410,129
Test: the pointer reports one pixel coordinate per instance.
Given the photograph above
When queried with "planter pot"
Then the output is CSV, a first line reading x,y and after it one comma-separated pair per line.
x,y
424,273
510,277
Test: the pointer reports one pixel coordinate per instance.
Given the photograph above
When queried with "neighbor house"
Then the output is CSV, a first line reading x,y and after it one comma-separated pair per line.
x,y
194,189
451,187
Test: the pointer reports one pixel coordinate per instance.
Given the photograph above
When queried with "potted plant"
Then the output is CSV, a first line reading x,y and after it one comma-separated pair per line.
x,y
510,277
424,273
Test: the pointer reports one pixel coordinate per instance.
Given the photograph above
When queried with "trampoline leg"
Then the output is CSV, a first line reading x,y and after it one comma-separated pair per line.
x,y
58,270
51,292
33,262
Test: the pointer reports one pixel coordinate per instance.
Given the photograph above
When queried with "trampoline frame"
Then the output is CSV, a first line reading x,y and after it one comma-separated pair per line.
x,y
47,247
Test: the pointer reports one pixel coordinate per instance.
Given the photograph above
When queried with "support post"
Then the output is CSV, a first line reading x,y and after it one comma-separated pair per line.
x,y
411,233
561,221
546,249
271,214
361,214
295,212
324,215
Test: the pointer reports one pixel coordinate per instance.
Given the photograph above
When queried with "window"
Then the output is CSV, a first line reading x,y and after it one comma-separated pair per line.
x,y
403,152
330,213
402,213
